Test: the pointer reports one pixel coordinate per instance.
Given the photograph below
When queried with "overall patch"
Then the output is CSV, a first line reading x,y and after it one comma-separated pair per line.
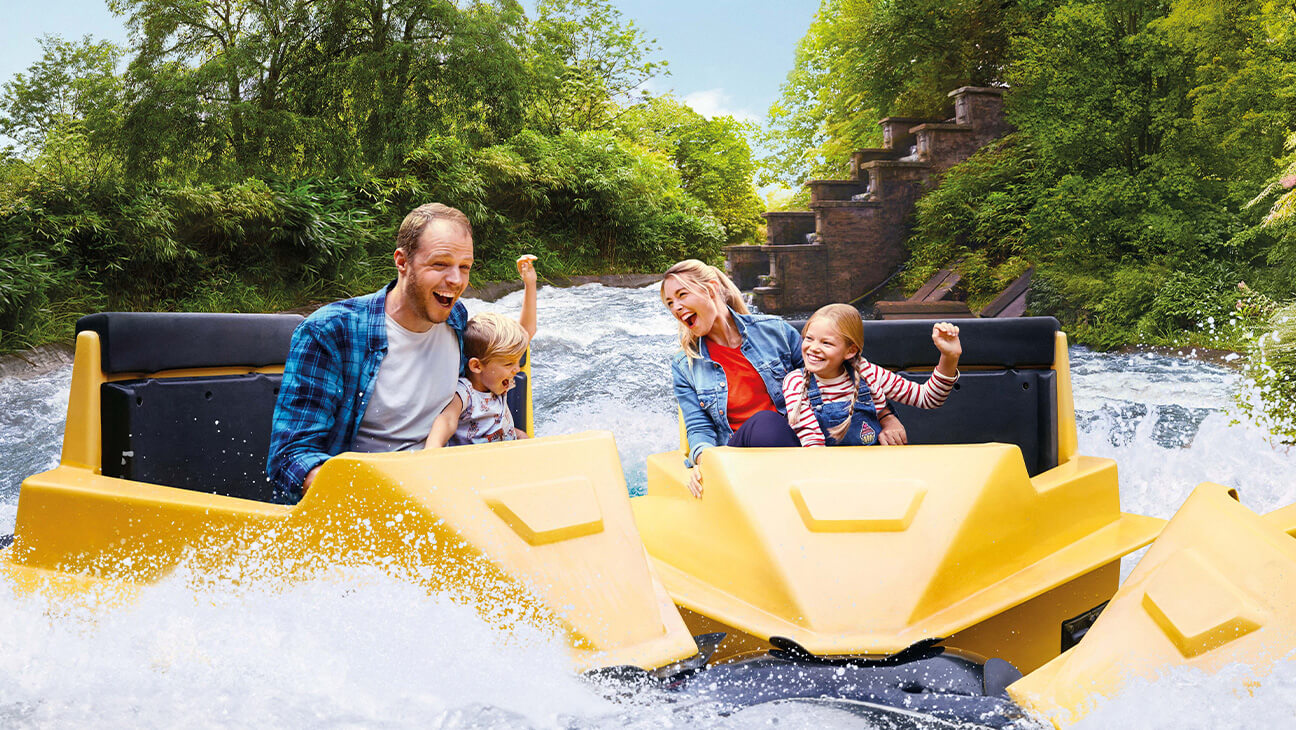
x,y
867,435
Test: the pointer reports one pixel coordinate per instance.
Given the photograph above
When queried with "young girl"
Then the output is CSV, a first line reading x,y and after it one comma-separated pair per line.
x,y
839,398
478,412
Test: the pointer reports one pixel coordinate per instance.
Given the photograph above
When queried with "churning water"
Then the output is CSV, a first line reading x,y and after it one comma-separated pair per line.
x,y
360,649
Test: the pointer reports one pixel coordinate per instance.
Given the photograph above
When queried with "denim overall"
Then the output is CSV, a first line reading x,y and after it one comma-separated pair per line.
x,y
864,428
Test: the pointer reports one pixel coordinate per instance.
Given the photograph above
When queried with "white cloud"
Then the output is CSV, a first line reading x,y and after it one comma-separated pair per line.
x,y
715,103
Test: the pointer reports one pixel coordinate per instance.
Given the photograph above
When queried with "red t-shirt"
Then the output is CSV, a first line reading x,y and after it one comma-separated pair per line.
x,y
747,393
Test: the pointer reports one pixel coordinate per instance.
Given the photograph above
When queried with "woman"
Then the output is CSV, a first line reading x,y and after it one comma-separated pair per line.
x,y
728,378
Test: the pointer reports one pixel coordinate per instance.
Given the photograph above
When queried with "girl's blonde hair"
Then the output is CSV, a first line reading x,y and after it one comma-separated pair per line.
x,y
846,322
491,336
695,276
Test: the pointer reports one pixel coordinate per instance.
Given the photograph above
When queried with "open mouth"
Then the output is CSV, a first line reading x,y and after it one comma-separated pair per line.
x,y
689,319
442,299
505,383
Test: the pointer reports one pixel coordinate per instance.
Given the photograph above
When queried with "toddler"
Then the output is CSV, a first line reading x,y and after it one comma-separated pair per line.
x,y
839,398
478,412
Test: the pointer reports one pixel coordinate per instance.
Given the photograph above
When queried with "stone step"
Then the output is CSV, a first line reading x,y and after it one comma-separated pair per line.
x,y
896,179
788,226
745,265
847,204
1011,302
861,157
922,310
982,108
897,134
823,190
946,145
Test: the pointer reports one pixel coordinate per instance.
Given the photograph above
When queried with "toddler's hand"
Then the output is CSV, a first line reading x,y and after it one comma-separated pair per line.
x,y
946,337
526,270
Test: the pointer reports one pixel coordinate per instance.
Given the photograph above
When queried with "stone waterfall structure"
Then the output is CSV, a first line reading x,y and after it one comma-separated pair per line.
x,y
851,240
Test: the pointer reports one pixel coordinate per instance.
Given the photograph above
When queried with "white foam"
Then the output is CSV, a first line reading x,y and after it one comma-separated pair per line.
x,y
360,649
1185,698
356,649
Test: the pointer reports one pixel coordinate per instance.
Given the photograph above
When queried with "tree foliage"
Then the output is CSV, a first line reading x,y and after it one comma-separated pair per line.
x,y
863,60
1151,179
73,86
270,148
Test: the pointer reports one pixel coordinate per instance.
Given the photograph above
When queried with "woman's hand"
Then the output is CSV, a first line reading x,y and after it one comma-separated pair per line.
x,y
893,432
695,482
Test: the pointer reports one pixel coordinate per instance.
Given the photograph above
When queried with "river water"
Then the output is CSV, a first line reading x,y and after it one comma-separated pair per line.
x,y
355,651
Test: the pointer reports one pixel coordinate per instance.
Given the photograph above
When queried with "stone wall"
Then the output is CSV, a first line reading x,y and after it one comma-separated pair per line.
x,y
788,227
861,223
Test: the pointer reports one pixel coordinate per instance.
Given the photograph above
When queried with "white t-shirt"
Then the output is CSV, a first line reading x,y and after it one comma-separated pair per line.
x,y
486,417
415,382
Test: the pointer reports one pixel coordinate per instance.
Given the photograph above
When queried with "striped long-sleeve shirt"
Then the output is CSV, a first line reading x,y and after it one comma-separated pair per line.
x,y
884,384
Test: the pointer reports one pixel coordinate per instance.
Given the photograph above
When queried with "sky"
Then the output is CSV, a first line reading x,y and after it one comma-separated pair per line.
x,y
726,56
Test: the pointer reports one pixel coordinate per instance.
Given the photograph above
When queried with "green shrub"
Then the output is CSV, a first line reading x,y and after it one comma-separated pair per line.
x,y
1271,371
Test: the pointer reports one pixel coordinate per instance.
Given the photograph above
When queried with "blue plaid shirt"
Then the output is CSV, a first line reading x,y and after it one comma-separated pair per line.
x,y
329,376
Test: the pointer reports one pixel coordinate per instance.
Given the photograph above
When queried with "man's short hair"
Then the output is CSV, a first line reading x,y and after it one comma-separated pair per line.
x,y
491,336
411,229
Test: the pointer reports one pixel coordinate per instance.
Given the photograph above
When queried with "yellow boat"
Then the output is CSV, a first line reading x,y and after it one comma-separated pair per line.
x,y
893,569
1218,587
1006,548
164,455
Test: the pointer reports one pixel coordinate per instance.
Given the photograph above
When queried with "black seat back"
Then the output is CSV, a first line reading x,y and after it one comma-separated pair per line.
x,y
208,434
1007,391
205,434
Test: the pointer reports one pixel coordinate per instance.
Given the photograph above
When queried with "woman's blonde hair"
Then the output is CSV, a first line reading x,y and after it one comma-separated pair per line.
x,y
695,276
846,322
491,336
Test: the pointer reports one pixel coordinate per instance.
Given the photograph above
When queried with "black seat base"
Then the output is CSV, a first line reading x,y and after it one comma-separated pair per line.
x,y
206,434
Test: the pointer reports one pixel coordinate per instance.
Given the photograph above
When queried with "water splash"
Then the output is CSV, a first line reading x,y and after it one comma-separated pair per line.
x,y
361,650
1233,698
32,412
354,649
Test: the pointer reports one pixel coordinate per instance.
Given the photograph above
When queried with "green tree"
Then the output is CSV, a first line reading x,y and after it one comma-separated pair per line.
x,y
863,60
712,157
233,57
73,86
586,64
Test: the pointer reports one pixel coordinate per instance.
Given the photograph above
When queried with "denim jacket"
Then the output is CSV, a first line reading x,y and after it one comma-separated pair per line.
x,y
769,343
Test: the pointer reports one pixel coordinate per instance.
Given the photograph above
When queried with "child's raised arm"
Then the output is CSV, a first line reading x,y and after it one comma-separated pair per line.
x,y
526,270
445,424
946,338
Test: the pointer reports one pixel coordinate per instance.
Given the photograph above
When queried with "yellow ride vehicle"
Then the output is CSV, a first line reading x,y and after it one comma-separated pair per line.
x,y
164,460
989,531
875,576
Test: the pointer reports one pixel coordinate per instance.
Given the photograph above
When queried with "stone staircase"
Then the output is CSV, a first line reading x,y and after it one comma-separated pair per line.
x,y
851,241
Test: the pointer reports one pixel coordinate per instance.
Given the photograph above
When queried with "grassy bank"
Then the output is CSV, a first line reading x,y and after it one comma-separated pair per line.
x,y
77,243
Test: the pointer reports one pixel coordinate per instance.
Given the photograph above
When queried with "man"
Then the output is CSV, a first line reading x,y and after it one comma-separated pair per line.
x,y
371,373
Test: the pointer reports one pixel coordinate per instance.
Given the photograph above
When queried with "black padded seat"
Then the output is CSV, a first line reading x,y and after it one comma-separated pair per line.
x,y
150,342
1005,406
206,434
1007,391
1011,342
